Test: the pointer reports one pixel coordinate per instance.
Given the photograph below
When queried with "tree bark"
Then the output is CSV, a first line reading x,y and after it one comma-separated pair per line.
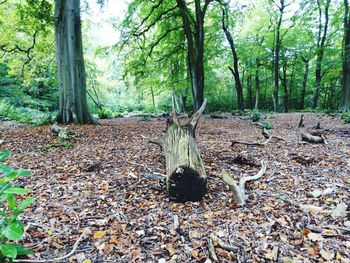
x,y
234,70
345,95
70,63
322,35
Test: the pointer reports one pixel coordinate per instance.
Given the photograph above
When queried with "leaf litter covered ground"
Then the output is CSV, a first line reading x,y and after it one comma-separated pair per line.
x,y
295,213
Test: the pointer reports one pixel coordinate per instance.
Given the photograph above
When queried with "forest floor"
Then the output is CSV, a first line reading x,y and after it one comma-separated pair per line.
x,y
100,181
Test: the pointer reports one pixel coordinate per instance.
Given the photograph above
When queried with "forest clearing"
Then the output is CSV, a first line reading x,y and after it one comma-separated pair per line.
x,y
174,131
103,181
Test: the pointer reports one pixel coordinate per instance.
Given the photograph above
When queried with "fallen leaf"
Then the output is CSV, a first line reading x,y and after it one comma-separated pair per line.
x,y
99,234
339,210
170,249
327,255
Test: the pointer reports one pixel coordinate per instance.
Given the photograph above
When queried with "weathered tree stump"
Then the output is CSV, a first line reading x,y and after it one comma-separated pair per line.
x,y
186,177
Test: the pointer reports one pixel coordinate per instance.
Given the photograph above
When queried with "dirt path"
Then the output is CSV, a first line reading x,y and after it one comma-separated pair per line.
x,y
99,183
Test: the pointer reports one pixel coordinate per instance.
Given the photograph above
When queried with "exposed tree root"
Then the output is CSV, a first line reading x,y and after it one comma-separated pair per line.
x,y
239,190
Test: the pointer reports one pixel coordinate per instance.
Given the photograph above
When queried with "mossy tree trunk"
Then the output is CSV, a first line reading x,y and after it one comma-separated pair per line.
x,y
186,177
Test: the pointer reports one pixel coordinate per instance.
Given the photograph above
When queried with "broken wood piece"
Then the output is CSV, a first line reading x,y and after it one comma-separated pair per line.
x,y
211,249
186,177
156,176
301,122
239,190
217,116
176,222
63,133
252,143
307,137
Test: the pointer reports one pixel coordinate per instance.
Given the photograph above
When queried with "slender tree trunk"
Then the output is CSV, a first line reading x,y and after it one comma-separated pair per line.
x,y
345,95
257,84
250,91
291,82
70,63
153,100
234,70
303,88
277,50
322,35
284,85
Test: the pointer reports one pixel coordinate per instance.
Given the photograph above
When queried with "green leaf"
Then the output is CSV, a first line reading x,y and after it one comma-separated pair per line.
x,y
20,208
14,231
24,173
5,169
22,251
11,202
8,250
16,190
4,154
2,213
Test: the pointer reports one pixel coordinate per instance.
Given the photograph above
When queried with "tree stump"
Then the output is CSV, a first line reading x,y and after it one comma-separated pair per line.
x,y
186,177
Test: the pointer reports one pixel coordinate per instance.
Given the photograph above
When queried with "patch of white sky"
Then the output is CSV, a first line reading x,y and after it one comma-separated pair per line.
x,y
101,18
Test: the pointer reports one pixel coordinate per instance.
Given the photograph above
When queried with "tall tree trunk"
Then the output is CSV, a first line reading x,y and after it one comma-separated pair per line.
x,y
153,100
345,95
285,87
277,50
70,63
322,35
303,88
194,32
234,70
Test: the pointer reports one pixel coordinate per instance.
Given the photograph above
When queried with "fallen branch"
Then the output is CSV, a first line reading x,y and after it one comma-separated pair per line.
x,y
307,137
252,143
83,235
239,190
49,146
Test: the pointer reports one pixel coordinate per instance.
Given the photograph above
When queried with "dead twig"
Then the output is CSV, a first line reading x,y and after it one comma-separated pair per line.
x,y
239,190
83,235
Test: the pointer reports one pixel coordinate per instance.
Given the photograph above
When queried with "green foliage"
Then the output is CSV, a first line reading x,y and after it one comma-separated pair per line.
x,y
10,112
255,115
105,113
11,228
345,117
267,125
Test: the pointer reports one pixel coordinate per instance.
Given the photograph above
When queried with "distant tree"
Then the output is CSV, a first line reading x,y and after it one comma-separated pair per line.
x,y
345,95
70,63
321,42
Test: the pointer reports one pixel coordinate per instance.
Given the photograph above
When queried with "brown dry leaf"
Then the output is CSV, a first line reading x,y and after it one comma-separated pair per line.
x,y
170,249
195,253
99,234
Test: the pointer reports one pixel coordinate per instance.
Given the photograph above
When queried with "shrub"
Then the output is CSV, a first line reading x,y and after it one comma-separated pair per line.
x,y
11,229
346,117
45,120
267,125
105,113
255,115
